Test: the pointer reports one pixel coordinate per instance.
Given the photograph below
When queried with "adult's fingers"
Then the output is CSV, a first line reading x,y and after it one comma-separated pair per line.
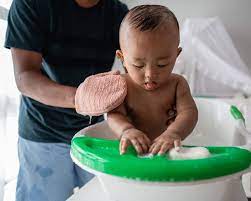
x,y
115,72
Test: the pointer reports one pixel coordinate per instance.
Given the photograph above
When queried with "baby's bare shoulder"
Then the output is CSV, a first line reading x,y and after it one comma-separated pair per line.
x,y
177,77
181,85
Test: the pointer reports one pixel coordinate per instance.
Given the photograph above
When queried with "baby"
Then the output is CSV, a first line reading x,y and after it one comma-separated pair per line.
x,y
158,111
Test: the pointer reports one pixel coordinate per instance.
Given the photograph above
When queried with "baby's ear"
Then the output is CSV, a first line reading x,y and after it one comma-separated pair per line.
x,y
119,55
179,51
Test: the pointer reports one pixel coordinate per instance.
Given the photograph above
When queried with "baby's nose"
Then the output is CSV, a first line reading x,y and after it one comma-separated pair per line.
x,y
150,73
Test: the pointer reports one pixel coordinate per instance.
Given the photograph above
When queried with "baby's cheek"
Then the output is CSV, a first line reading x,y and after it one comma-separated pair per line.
x,y
137,78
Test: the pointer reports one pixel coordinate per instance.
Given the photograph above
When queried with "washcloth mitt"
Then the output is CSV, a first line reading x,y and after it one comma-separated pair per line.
x,y
100,93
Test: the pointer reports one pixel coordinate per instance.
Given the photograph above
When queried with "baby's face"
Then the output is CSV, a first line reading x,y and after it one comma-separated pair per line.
x,y
149,56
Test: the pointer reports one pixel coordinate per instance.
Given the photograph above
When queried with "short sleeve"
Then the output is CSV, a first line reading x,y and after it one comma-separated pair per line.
x,y
24,28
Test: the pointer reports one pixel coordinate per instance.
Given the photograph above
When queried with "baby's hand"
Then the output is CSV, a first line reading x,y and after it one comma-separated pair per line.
x,y
165,142
135,137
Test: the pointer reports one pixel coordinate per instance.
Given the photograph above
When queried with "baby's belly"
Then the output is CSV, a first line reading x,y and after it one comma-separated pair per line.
x,y
151,127
151,131
153,121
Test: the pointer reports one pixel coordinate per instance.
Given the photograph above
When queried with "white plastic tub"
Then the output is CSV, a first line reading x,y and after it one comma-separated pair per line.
x,y
216,127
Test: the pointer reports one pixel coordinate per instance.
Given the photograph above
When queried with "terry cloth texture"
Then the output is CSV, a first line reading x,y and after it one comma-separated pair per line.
x,y
100,93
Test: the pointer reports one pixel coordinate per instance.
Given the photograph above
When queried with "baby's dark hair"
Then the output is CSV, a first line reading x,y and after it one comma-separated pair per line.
x,y
149,17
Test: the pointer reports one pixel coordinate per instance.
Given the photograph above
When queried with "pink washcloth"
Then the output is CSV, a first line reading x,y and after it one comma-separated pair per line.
x,y
100,93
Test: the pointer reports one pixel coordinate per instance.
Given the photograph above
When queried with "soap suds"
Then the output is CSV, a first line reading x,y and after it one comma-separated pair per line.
x,y
189,153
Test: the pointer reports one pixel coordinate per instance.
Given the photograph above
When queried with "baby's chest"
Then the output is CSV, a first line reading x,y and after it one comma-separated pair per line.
x,y
144,107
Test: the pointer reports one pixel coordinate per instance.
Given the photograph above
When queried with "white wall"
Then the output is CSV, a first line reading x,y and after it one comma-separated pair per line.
x,y
235,14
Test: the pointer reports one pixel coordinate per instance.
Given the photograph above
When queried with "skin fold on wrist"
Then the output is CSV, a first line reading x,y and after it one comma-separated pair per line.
x,y
172,134
125,130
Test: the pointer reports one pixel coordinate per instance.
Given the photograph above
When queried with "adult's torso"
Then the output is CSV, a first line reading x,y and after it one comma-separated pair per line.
x,y
79,42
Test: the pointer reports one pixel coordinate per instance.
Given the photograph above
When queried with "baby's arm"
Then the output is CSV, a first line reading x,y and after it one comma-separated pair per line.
x,y
187,113
184,123
126,132
118,121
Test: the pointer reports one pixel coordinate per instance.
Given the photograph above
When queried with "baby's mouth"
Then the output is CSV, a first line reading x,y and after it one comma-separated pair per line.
x,y
150,85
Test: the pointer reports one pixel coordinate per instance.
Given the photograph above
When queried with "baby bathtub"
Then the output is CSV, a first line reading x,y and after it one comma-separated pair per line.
x,y
216,127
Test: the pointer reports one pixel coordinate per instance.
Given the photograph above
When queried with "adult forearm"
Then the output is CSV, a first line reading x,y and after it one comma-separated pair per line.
x,y
38,87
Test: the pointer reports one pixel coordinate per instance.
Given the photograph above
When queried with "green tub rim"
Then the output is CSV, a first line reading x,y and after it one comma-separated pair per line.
x,y
103,155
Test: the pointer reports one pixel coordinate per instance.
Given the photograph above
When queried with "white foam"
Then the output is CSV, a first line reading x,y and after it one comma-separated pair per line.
x,y
146,156
189,153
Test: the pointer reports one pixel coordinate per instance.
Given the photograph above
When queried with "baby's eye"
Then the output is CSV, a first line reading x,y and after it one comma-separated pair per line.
x,y
162,65
138,66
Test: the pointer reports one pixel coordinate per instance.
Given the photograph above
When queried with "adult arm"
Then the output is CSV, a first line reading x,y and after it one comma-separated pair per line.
x,y
32,83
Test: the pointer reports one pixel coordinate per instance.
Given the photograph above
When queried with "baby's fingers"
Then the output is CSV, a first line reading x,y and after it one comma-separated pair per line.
x,y
144,144
148,141
177,144
137,146
152,146
155,148
164,148
124,143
